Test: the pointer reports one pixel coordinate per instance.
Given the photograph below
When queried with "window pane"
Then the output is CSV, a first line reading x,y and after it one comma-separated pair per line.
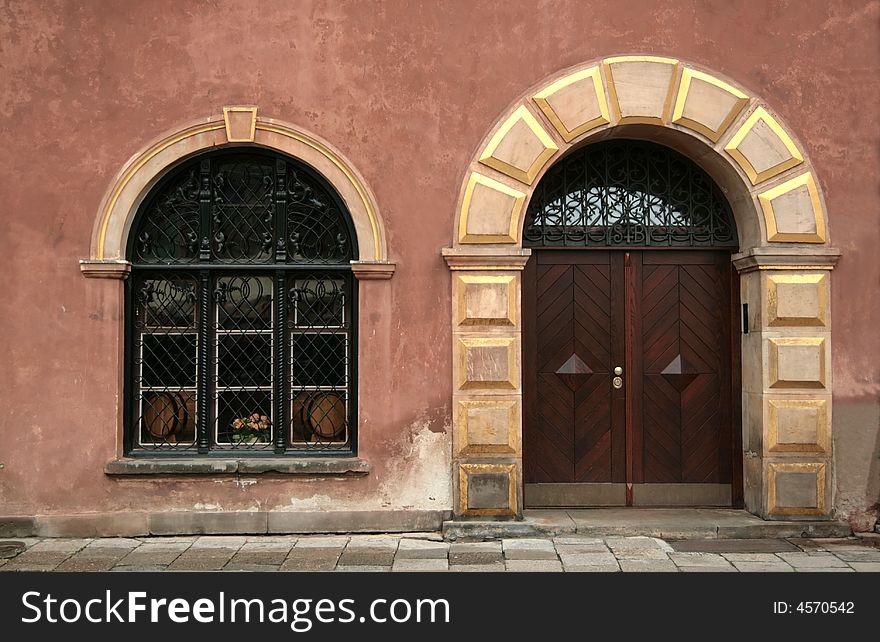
x,y
243,210
168,418
319,417
244,360
318,301
319,359
244,418
168,360
244,303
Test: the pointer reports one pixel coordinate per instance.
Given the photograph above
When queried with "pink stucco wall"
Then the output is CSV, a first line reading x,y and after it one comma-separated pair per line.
x,y
406,90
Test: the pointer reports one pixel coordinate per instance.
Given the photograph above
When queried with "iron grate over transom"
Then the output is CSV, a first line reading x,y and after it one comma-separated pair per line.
x,y
628,193
242,324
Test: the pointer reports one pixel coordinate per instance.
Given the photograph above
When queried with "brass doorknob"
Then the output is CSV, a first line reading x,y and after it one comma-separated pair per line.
x,y
618,371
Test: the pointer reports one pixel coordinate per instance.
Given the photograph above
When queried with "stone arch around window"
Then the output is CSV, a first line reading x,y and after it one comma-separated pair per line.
x,y
237,126
784,264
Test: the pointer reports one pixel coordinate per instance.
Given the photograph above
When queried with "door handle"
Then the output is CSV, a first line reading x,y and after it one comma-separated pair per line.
x,y
617,381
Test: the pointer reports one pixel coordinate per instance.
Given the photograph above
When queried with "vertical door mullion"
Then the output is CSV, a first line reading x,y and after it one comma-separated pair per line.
x,y
279,381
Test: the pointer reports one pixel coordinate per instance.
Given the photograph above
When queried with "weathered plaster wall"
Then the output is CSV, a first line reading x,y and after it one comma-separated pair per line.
x,y
406,91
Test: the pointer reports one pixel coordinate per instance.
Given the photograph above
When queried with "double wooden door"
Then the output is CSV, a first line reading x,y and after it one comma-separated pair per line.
x,y
628,378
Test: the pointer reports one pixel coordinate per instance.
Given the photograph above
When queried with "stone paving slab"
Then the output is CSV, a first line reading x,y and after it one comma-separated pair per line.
x,y
812,560
588,559
648,566
475,553
365,556
733,546
529,549
322,542
764,567
534,566
698,559
496,567
600,568
420,565
865,555
422,549
865,567
311,559
750,557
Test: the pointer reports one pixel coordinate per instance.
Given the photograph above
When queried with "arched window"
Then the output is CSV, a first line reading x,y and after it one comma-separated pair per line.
x,y
241,311
628,193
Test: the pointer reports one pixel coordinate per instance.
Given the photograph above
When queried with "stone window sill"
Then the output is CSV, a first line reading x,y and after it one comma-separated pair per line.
x,y
338,466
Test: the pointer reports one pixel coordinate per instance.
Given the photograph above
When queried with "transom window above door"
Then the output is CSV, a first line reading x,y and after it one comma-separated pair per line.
x,y
628,192
241,308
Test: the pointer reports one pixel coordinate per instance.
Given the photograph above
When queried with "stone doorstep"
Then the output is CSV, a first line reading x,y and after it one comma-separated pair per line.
x,y
833,569
873,567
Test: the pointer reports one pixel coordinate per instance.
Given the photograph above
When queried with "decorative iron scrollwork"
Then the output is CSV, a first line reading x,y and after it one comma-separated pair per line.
x,y
628,193
229,208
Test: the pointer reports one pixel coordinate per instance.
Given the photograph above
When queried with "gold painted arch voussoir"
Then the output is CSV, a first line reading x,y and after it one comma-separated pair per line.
x,y
762,148
575,104
706,104
237,126
640,88
520,148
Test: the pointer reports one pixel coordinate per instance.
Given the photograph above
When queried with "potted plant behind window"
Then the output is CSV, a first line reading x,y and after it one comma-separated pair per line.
x,y
253,429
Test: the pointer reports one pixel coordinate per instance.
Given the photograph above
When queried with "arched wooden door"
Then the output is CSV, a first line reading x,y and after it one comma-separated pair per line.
x,y
628,346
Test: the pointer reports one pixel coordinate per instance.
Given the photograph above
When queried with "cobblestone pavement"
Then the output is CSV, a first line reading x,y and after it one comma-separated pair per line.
x,y
428,552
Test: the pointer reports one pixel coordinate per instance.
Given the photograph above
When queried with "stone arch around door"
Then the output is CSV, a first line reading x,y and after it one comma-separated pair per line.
x,y
784,263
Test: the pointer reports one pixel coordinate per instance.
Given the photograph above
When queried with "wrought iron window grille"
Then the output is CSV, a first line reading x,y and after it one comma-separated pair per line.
x,y
242,313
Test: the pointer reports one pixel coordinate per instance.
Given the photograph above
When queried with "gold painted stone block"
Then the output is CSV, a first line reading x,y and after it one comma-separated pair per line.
x,y
762,148
485,300
490,211
241,124
797,300
797,362
488,427
706,104
640,87
520,148
793,212
487,490
797,425
575,104
487,363
796,489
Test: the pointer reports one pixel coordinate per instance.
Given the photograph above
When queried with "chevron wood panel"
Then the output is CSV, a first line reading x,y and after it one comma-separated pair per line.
x,y
685,421
569,305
